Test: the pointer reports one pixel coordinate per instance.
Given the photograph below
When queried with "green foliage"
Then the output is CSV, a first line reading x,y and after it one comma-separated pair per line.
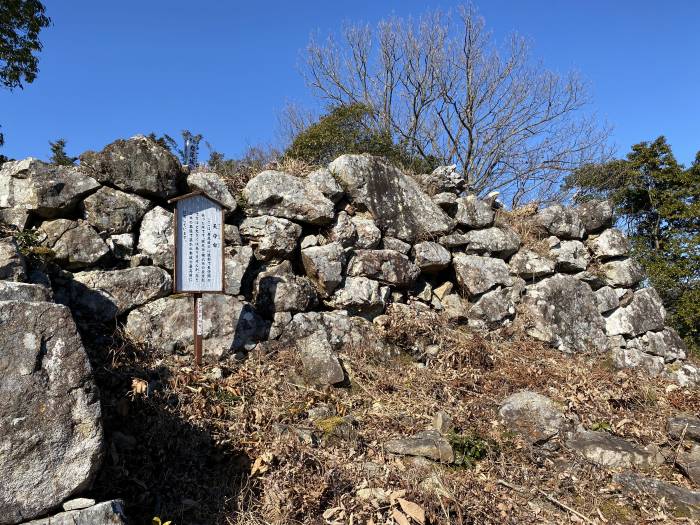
x,y
58,154
21,21
469,448
189,153
658,200
349,129
603,426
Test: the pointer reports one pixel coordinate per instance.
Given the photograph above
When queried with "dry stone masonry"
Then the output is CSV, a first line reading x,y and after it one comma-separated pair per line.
x,y
311,261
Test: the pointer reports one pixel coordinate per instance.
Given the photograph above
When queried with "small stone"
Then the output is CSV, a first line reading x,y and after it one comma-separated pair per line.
x,y
444,289
530,265
442,422
78,503
686,426
431,256
321,366
392,243
596,215
273,238
476,274
429,444
611,451
12,264
536,417
368,235
560,221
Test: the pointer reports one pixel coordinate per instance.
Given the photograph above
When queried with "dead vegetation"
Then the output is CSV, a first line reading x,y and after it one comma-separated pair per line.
x,y
521,221
247,443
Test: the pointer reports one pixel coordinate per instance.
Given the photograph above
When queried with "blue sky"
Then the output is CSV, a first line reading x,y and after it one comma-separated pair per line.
x,y
226,69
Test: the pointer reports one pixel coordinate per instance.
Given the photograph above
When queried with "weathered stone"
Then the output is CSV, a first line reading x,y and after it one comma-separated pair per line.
x,y
447,201
644,313
13,291
103,295
530,265
611,451
476,275
50,421
431,256
392,243
666,343
686,375
630,357
121,245
442,179
428,444
386,266
442,422
237,260
396,201
683,501
344,231
683,425
606,299
611,243
271,237
166,324
454,240
48,190
474,213
368,235
560,221
455,307
16,217
591,278
309,241
282,195
361,295
78,503
137,165
534,416
325,182
569,256
321,366
75,244
105,513
493,307
596,215
156,238
689,463
625,273
12,264
213,186
114,211
324,266
498,242
231,235
277,289
422,290
562,311
444,289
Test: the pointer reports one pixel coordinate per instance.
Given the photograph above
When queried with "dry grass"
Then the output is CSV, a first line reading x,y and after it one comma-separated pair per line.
x,y
521,221
233,444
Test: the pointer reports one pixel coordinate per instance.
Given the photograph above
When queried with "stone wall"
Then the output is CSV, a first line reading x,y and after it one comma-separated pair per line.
x,y
314,261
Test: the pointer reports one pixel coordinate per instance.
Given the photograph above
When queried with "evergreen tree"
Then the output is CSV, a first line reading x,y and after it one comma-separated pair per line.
x,y
58,154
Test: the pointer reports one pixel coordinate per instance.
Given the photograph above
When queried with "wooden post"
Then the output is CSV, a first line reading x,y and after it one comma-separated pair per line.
x,y
198,329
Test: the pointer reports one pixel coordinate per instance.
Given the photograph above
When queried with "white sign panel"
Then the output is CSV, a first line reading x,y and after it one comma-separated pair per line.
x,y
199,254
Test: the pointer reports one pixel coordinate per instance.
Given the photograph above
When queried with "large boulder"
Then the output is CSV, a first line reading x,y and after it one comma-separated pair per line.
x,y
103,295
666,343
324,266
386,266
51,439
562,311
431,256
529,264
492,307
569,256
497,242
561,221
48,190
75,244
114,211
474,213
166,324
12,264
396,201
624,273
476,274
534,416
136,165
237,260
157,239
596,215
428,444
271,237
611,243
645,312
282,195
213,186
105,513
277,289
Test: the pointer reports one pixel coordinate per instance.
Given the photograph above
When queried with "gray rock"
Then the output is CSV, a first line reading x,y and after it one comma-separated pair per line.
x,y
16,217
689,463
271,237
78,503
114,211
121,245
493,307
474,213
454,240
611,451
103,295
282,195
12,264
455,307
666,343
386,266
476,275
280,321
213,186
321,366
606,299
166,324
309,241
685,374
682,500
325,182
560,221
442,422
13,291
105,513
630,357
683,425
534,416
360,295
611,243
562,311
50,419
591,278
498,242
643,314
47,190
431,256
75,244
428,444
231,235
344,231
569,256
237,260
156,238
625,273
277,289
324,266
368,235
596,215
396,201
137,165
530,265
447,201
422,291
392,243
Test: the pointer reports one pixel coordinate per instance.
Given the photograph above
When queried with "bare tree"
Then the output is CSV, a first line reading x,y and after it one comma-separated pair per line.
x,y
446,91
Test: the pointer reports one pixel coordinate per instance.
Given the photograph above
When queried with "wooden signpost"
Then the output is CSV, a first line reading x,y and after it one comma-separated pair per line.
x,y
199,254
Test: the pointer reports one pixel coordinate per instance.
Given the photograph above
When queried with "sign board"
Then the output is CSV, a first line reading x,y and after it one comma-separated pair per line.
x,y
199,251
